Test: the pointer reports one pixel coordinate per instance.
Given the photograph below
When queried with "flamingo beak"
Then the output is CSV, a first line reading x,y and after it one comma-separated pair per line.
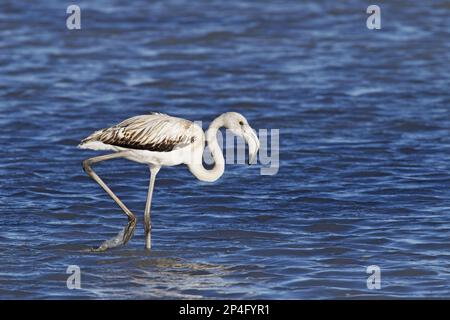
x,y
253,144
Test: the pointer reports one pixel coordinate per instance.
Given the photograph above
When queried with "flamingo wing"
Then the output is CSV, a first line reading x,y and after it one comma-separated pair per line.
x,y
153,132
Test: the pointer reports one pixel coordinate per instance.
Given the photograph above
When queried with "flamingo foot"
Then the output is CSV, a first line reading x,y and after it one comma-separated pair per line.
x,y
120,239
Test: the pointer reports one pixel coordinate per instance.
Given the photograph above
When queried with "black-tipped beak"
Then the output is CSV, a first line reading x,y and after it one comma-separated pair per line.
x,y
253,144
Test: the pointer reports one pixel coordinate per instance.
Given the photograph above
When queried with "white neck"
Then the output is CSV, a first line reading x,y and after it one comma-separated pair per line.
x,y
216,172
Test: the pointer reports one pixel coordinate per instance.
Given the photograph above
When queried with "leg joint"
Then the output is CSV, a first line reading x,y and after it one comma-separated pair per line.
x,y
87,165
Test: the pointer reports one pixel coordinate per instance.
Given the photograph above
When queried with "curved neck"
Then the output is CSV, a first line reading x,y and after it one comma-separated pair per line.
x,y
197,168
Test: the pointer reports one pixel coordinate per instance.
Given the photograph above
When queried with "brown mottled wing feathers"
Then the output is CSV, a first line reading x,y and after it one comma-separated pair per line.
x,y
153,132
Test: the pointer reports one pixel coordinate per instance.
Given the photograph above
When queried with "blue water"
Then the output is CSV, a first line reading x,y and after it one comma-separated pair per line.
x,y
364,149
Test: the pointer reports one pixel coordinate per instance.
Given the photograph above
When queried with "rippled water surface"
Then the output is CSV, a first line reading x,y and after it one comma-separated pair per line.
x,y
364,149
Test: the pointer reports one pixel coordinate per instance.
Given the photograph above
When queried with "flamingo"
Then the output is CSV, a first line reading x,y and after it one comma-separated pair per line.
x,y
158,140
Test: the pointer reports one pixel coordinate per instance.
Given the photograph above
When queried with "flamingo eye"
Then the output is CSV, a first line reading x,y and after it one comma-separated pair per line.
x,y
241,123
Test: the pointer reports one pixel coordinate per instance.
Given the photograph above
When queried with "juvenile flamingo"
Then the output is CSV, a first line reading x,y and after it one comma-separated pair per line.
x,y
161,140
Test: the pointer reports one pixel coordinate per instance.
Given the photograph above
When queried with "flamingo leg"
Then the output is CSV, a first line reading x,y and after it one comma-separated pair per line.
x,y
126,234
147,221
